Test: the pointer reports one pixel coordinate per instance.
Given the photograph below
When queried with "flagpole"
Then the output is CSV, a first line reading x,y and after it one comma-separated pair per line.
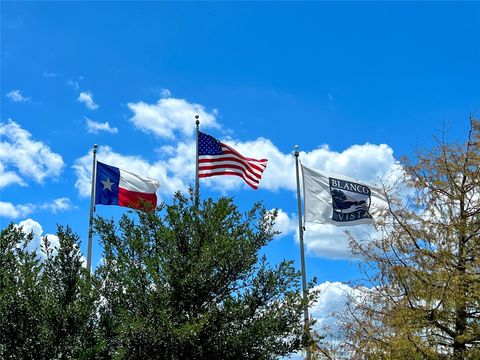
x,y
92,208
197,182
302,253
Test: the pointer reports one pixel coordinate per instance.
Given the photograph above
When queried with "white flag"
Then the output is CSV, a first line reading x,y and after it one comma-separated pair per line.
x,y
339,200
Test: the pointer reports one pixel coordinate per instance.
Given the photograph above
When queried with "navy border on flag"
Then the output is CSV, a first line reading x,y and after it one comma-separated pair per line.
x,y
350,201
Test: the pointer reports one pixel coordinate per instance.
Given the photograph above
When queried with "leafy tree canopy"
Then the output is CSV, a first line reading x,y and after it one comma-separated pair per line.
x,y
190,284
424,265
183,281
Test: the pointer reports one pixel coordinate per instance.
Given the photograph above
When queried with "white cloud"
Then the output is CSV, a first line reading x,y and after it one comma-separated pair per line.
x,y
12,211
182,163
323,240
30,225
280,171
331,300
58,205
86,97
47,74
9,177
95,127
367,163
73,84
165,93
284,223
330,304
16,96
21,157
326,241
165,150
170,115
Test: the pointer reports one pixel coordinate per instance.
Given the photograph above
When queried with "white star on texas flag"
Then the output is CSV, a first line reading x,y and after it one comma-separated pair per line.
x,y
107,184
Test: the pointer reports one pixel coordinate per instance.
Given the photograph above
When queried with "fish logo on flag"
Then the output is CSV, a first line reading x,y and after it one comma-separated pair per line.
x,y
350,200
339,200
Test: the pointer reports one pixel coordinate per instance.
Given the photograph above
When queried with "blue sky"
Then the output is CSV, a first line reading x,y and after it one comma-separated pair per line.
x,y
355,85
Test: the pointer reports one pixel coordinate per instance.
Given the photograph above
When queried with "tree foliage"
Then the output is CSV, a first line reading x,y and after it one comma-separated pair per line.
x,y
191,285
183,281
424,267
46,303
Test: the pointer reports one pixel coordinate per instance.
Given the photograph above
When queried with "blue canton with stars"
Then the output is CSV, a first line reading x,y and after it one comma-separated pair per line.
x,y
106,186
208,145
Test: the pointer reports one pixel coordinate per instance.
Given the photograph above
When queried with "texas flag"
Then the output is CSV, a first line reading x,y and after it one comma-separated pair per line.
x,y
115,186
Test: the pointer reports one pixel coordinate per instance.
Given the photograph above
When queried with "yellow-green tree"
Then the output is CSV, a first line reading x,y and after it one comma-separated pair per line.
x,y
424,265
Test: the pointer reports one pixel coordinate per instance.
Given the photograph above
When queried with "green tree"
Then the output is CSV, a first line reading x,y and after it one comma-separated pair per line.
x,y
47,303
69,302
424,265
188,282
20,296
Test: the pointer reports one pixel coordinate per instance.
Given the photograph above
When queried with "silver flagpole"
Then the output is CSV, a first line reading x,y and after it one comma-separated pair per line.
x,y
197,183
92,209
302,253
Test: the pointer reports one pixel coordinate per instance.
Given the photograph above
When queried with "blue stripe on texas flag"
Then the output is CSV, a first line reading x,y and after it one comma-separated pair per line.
x,y
106,187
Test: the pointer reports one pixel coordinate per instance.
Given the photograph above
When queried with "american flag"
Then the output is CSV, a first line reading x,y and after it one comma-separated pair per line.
x,y
216,158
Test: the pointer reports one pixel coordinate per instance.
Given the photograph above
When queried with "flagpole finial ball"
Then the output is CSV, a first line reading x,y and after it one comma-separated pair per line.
x,y
296,150
197,121
95,146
